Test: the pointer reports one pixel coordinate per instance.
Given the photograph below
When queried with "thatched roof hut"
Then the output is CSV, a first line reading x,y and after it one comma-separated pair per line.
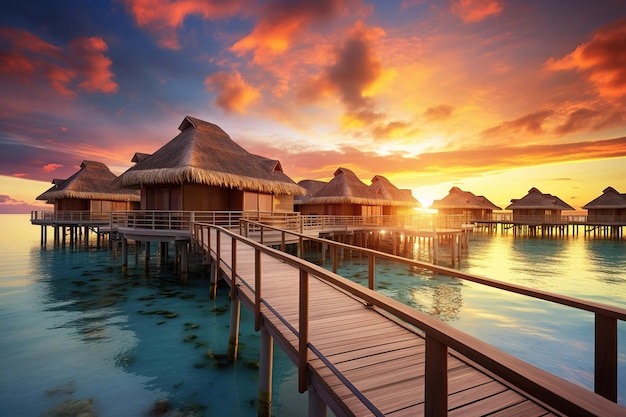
x,y
608,208
610,199
397,197
312,187
346,194
94,181
204,154
344,188
464,200
536,200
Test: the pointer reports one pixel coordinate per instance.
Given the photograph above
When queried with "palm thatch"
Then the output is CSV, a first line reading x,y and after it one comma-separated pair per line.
x,y
94,181
459,199
610,199
536,200
386,190
311,186
346,188
204,154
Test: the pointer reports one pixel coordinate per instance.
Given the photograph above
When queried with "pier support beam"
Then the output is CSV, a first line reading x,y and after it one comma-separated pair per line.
x,y
265,374
233,339
184,265
124,256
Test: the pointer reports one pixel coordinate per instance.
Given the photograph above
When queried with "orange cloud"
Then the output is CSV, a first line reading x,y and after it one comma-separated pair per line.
x,y
601,60
530,124
356,69
233,93
51,167
281,21
471,11
27,56
440,112
164,17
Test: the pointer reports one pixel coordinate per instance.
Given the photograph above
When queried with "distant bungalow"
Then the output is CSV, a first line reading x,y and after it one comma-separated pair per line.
x,y
537,207
458,202
608,208
92,189
203,169
347,195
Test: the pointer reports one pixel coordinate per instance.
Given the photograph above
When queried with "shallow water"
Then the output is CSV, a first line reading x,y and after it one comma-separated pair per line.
x,y
74,328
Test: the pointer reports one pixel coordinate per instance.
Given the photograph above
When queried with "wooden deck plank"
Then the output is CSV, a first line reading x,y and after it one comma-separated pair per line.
x,y
381,358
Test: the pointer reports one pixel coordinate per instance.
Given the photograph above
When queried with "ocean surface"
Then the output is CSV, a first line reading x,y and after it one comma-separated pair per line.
x,y
73,328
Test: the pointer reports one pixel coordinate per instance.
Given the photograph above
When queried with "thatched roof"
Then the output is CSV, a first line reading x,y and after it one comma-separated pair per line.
x,y
386,190
311,186
94,181
203,153
610,199
347,188
536,200
459,199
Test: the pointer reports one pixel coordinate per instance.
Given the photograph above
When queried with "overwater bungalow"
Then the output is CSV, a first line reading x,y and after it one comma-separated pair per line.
x,y
92,189
403,201
473,208
347,195
609,208
538,208
203,169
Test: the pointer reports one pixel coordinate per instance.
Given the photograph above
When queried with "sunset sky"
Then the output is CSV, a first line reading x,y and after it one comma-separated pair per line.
x,y
492,96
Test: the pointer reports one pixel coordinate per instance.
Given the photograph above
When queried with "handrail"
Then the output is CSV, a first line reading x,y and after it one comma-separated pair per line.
x,y
563,395
606,352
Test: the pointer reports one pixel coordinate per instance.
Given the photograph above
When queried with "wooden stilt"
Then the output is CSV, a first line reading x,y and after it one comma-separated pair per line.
x,y
147,256
233,339
183,262
124,256
265,374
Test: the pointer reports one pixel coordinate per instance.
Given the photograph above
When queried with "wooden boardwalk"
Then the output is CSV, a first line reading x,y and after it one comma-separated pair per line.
x,y
362,360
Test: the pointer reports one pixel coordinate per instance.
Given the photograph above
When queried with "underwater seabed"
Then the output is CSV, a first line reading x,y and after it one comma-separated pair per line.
x,y
81,338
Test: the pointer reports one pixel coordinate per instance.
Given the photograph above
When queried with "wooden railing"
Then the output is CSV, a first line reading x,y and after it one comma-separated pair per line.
x,y
606,317
564,396
67,216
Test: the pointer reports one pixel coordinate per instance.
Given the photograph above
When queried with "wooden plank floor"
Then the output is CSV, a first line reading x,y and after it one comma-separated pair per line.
x,y
383,359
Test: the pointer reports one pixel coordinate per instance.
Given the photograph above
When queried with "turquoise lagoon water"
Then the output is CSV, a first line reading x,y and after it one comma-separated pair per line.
x,y
73,328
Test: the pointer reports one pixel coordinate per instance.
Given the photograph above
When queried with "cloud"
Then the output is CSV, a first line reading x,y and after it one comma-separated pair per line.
x,y
352,76
27,58
233,93
602,60
471,11
280,21
51,167
440,112
7,199
530,124
437,166
164,17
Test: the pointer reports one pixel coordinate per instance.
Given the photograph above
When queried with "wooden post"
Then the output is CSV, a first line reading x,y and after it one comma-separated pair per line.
x,y
124,256
606,357
266,358
216,268
257,289
184,265
436,378
371,271
303,333
235,307
147,256
233,339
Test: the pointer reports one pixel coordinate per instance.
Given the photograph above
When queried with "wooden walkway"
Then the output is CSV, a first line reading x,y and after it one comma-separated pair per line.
x,y
362,360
